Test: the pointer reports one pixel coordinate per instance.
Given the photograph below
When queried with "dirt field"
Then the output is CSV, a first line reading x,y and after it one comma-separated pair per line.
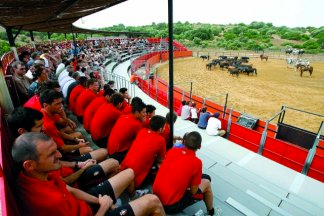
x,y
261,96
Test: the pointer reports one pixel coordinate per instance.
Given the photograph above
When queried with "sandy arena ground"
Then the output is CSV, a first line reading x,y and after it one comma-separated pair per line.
x,y
261,96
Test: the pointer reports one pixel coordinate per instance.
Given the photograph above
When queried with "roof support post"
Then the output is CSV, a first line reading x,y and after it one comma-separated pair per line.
x,y
31,34
170,27
49,35
12,42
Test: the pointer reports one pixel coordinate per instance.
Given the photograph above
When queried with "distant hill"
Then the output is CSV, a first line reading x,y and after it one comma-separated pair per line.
x,y
255,36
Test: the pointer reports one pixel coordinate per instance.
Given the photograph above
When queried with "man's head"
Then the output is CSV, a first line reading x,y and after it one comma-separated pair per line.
x,y
52,101
19,68
111,84
117,99
22,120
138,108
193,140
150,111
36,154
168,117
93,84
204,109
124,92
107,94
216,115
157,123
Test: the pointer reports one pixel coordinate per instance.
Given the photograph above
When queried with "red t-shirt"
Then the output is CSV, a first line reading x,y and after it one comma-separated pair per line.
x,y
146,123
91,110
123,134
74,96
33,103
166,135
124,105
141,154
50,128
50,198
127,109
83,101
103,121
180,170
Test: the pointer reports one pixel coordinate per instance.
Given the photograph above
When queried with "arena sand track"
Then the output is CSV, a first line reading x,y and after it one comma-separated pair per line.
x,y
261,96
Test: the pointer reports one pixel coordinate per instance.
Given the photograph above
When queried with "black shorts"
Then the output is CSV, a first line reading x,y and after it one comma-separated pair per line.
x,y
91,177
124,210
75,156
187,200
104,188
119,156
102,143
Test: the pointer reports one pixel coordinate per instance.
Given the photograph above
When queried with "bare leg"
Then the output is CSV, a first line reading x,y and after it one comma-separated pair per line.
x,y
99,154
205,187
147,205
85,150
110,167
121,181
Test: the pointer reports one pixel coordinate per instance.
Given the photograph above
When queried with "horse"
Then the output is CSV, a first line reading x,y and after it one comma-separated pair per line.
x,y
306,68
205,57
263,56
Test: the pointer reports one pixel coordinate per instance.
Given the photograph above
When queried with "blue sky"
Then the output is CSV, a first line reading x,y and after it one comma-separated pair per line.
x,y
291,13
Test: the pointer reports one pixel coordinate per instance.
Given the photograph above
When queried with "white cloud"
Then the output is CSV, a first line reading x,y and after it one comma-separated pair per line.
x,y
292,13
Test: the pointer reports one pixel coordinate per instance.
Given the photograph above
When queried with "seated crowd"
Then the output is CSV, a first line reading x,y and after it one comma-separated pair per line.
x,y
61,173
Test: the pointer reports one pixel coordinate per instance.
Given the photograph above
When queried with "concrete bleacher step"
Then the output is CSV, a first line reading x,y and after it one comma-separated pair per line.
x,y
292,199
223,190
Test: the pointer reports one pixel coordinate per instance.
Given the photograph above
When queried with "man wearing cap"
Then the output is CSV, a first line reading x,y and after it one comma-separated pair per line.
x,y
214,126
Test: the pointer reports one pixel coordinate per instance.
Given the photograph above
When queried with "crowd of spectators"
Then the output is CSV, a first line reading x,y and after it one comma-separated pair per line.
x,y
61,173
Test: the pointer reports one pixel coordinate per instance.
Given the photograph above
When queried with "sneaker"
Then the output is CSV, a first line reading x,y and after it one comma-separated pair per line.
x,y
139,193
199,213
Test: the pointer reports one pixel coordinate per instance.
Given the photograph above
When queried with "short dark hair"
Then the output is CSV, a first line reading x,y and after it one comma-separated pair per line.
x,y
108,92
183,102
193,140
49,95
22,117
137,104
91,81
24,147
150,108
38,72
157,122
123,90
116,99
83,81
168,117
204,109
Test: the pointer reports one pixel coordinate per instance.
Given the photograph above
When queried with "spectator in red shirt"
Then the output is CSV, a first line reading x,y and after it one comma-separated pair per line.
x,y
124,92
104,120
85,98
180,179
166,132
52,106
94,106
125,130
76,92
42,192
150,112
147,148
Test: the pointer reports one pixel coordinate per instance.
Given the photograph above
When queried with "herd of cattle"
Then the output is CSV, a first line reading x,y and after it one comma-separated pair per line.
x,y
234,65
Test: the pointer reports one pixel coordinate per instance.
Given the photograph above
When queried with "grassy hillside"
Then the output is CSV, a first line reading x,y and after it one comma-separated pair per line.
x,y
255,36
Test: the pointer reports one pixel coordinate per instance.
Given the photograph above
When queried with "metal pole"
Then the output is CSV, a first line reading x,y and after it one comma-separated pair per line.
x,y
225,106
12,42
229,123
263,138
32,39
312,151
204,102
190,90
170,21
